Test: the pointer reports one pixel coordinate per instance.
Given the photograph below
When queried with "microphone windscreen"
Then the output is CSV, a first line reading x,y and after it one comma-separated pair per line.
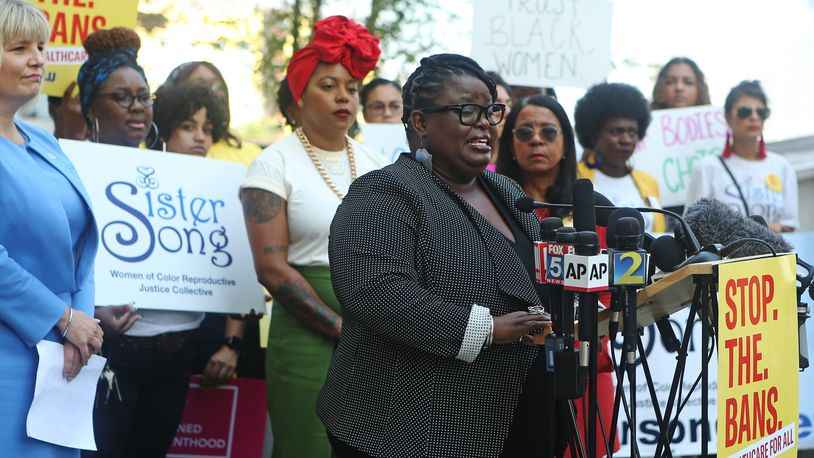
x,y
759,219
525,204
667,253
584,217
613,219
602,215
714,222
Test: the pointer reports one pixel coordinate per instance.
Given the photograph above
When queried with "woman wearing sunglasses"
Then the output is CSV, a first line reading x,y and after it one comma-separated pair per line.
x,y
538,142
610,120
433,266
745,176
540,155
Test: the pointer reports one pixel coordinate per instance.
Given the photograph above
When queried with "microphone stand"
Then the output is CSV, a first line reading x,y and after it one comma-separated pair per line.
x,y
558,350
588,318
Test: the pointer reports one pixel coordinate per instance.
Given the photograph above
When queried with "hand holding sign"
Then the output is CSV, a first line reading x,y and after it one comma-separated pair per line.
x,y
117,319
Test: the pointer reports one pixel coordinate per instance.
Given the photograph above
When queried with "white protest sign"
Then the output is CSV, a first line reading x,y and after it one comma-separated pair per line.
x,y
544,42
676,140
171,230
386,140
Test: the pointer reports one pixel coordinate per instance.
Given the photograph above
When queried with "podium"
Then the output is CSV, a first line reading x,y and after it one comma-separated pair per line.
x,y
755,331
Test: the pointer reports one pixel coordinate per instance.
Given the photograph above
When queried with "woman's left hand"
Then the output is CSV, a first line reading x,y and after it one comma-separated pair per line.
x,y
221,367
72,362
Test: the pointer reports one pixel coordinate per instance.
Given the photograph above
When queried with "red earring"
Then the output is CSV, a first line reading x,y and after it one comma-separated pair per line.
x,y
761,149
727,152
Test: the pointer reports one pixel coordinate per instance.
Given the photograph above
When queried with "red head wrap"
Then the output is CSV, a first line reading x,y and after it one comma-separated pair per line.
x,y
336,39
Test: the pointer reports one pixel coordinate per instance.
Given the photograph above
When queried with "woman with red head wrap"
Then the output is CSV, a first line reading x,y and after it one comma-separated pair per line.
x,y
289,198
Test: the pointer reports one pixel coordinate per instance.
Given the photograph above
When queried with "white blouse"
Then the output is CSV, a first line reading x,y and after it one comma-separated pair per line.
x,y
285,169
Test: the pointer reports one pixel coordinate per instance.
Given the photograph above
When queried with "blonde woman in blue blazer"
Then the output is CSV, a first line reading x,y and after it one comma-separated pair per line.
x,y
48,239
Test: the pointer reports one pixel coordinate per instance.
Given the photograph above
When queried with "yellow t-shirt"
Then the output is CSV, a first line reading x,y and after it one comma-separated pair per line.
x,y
225,152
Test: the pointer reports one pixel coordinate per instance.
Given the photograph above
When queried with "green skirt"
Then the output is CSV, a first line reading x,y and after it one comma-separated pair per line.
x,y
297,362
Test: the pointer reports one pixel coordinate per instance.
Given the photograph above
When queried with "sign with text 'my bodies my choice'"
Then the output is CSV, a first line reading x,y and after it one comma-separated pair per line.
x,y
544,42
758,384
171,230
71,22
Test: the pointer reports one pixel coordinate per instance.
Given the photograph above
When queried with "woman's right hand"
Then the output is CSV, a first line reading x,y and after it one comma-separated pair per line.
x,y
117,319
511,327
84,332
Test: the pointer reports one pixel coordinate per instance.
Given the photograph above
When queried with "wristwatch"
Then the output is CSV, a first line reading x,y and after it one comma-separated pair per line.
x,y
233,342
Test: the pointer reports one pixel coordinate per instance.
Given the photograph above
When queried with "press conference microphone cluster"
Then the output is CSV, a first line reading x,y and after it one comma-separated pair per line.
x,y
671,248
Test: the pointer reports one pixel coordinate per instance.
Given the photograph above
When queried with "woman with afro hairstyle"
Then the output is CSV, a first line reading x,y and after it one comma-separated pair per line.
x,y
610,120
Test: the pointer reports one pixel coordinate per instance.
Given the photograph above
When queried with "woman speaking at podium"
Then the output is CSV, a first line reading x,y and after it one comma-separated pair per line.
x,y
289,198
48,240
433,266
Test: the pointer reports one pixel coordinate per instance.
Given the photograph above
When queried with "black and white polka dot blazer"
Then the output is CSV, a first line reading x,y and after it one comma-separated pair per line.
x,y
408,259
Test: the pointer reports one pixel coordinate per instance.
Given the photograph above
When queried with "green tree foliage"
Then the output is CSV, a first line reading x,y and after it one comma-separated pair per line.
x,y
398,23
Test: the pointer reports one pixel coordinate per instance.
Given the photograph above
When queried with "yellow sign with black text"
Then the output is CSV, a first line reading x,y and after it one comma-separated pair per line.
x,y
758,392
71,22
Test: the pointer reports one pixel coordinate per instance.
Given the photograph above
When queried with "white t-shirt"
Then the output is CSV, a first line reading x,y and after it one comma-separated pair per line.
x,y
285,169
155,322
769,186
622,192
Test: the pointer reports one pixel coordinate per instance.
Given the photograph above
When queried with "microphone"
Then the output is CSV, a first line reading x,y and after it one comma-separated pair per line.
x,y
548,231
615,216
602,205
715,223
664,245
667,253
584,213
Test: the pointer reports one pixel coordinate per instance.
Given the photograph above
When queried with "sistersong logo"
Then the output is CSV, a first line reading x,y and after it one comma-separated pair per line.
x,y
174,221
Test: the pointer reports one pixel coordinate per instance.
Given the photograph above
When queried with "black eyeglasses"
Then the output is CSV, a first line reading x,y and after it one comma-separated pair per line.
x,y
470,113
746,112
126,99
526,133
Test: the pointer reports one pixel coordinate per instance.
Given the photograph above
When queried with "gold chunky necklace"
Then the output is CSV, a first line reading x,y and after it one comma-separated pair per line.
x,y
323,172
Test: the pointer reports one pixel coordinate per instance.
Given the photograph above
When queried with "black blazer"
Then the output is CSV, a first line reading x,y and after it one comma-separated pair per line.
x,y
408,259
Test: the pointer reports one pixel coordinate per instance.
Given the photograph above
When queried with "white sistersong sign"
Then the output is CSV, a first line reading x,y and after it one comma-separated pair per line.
x,y
544,43
171,230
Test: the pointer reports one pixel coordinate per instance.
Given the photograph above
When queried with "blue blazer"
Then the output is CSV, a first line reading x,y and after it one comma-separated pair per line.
x,y
39,274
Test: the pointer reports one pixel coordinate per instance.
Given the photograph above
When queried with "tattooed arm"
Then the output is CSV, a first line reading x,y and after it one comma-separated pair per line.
x,y
267,225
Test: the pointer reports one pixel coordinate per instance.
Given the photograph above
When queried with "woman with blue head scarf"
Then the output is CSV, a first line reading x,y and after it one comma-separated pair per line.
x,y
142,395
113,90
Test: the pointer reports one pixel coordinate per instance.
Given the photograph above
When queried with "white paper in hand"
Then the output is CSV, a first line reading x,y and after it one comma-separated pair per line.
x,y
61,412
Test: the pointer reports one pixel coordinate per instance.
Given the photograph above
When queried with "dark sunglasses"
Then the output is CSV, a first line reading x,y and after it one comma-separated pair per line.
x,y
471,113
746,112
526,133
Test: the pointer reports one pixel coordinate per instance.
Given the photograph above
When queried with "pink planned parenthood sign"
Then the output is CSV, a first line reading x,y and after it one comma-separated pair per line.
x,y
224,422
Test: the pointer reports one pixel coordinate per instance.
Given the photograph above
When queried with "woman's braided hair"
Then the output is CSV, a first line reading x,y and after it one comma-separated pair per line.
x,y
428,80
